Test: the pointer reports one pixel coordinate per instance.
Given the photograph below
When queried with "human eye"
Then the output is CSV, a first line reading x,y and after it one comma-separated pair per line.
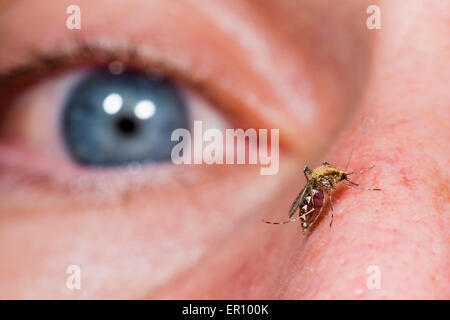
x,y
101,113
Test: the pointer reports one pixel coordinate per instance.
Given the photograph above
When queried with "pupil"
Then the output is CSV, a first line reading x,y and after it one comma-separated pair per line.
x,y
127,126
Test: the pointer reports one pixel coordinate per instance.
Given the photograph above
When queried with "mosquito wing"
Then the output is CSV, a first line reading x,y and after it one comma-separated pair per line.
x,y
300,197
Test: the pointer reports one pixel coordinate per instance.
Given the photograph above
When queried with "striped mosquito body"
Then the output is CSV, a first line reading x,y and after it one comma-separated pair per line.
x,y
320,181
309,203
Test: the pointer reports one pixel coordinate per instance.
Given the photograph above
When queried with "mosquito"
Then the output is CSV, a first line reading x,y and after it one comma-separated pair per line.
x,y
322,180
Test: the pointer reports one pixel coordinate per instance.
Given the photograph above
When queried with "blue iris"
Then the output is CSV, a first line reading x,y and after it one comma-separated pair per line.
x,y
114,119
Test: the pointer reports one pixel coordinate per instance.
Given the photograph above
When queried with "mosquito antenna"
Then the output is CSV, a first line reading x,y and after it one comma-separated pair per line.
x,y
360,171
348,161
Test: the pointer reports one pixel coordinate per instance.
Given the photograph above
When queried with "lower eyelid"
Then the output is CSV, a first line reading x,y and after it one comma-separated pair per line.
x,y
102,187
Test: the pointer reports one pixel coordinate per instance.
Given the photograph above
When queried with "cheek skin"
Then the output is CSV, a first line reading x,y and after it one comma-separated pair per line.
x,y
127,247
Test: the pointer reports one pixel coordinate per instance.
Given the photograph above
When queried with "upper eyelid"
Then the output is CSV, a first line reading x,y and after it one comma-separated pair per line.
x,y
95,54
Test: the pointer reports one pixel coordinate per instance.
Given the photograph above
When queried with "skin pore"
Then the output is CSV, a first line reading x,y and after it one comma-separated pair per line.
x,y
312,69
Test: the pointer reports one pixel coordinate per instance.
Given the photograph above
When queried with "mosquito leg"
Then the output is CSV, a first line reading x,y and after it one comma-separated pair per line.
x,y
305,172
282,222
356,188
305,214
291,220
331,206
333,184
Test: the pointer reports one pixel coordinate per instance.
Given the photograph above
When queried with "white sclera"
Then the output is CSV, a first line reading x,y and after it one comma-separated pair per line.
x,y
144,109
112,103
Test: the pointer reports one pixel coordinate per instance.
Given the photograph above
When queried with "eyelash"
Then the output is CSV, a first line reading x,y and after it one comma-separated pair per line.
x,y
83,53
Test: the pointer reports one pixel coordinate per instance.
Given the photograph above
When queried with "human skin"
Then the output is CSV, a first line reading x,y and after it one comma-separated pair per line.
x,y
312,69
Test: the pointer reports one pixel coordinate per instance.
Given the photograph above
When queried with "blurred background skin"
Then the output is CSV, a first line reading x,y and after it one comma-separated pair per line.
x,y
312,69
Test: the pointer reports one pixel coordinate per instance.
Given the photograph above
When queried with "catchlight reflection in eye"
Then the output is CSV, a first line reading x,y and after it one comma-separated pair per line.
x,y
112,103
144,109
